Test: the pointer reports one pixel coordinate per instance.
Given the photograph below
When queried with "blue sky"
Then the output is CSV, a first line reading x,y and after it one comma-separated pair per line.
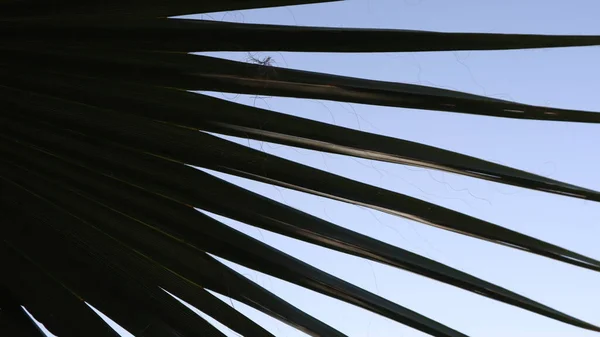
x,y
558,77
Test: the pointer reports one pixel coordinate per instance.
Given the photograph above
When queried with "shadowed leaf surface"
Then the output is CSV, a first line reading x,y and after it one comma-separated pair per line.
x,y
100,130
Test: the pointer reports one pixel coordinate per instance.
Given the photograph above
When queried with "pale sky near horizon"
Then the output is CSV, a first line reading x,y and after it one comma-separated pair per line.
x,y
568,78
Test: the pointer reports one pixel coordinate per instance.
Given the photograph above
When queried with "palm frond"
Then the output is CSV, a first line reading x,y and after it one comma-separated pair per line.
x,y
53,9
14,320
185,35
100,130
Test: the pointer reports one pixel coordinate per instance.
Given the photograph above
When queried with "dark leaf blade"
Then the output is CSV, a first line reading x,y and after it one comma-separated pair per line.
x,y
207,151
195,72
111,263
14,321
86,232
220,116
190,292
265,125
108,298
207,271
52,304
186,35
183,184
277,171
280,265
267,80
132,8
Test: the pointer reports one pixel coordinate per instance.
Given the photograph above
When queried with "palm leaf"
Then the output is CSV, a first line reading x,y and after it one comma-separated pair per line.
x,y
99,131
14,320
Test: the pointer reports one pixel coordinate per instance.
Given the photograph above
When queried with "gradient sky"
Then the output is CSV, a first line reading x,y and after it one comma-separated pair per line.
x,y
568,78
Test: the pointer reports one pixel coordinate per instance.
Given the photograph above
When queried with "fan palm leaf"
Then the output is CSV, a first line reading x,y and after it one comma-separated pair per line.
x,y
101,130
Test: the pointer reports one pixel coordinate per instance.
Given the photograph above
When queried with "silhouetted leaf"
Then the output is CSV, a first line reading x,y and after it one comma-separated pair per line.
x,y
98,134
